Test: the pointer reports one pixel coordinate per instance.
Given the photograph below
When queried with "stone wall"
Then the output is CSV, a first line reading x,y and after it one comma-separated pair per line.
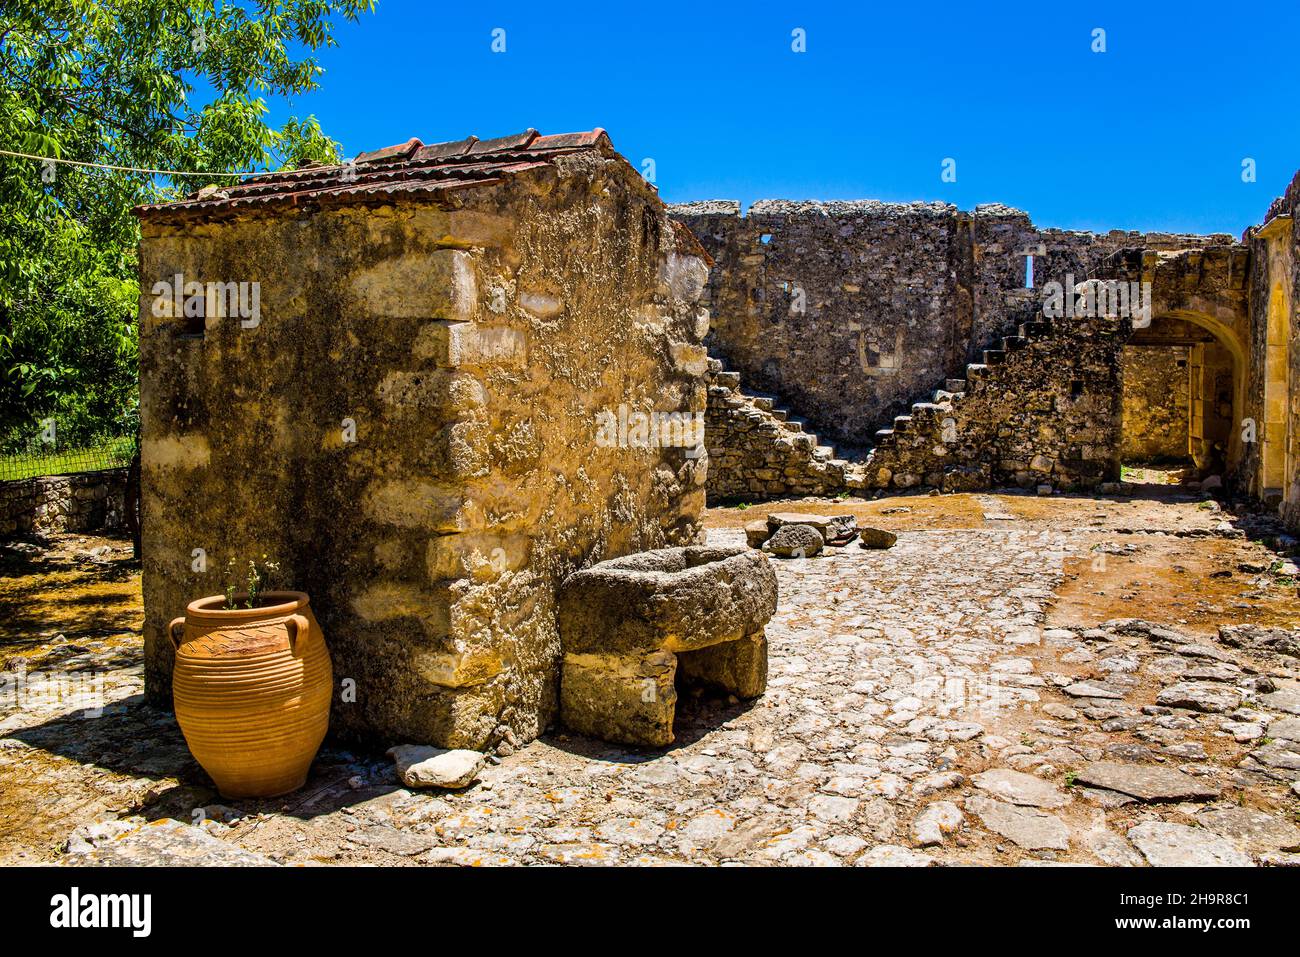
x,y
85,502
1275,354
851,311
1042,409
845,310
757,451
412,428
1157,403
1046,412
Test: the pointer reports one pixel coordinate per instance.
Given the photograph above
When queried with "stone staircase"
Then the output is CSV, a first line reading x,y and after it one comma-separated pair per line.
x,y
757,450
1038,410
955,390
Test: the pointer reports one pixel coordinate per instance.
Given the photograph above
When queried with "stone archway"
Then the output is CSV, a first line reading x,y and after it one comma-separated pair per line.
x,y
1185,380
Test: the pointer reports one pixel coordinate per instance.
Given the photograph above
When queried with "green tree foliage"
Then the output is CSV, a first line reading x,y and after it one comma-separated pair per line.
x,y
155,84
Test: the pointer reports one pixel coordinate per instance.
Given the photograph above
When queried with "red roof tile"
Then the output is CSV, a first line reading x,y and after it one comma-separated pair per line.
x,y
400,151
517,142
559,141
407,169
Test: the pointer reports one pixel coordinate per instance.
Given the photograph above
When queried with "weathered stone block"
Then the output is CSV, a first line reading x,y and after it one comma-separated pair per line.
x,y
676,599
630,700
438,284
739,667
795,541
623,623
455,344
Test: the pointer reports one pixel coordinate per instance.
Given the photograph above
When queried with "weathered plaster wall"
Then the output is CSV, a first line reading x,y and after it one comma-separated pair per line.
x,y
472,346
1275,353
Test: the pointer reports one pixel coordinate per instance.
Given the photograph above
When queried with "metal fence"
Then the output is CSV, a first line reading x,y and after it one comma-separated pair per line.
x,y
41,459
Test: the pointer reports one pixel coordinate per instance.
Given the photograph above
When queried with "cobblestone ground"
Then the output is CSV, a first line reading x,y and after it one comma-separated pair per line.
x,y
1016,681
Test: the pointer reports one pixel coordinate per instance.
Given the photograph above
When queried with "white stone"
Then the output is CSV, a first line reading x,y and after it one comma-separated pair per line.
x,y
423,766
1177,845
936,821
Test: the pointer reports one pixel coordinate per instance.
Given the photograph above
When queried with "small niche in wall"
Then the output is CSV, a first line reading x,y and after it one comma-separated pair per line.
x,y
193,327
1076,388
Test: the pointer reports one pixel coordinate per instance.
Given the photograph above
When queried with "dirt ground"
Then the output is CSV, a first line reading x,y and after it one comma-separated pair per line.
x,y
845,759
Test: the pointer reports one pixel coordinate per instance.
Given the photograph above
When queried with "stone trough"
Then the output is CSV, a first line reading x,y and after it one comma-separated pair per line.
x,y
631,627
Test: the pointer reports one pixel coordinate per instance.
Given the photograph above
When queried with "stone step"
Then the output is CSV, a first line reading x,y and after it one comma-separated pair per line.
x,y
1035,329
901,422
993,357
942,395
885,437
1013,343
955,385
762,409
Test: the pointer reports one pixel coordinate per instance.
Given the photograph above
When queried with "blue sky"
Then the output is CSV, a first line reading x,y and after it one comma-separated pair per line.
x,y
1150,134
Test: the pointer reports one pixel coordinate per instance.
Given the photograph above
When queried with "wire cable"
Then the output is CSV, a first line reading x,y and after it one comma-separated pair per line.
x,y
125,169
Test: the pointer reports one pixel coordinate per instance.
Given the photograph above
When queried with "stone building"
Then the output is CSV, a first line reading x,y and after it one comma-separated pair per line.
x,y
389,377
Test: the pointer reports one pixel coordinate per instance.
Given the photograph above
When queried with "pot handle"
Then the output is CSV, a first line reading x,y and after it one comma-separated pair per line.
x,y
171,631
301,628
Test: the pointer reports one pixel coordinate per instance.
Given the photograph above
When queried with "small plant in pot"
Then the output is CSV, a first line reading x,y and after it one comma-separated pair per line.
x,y
255,579
252,683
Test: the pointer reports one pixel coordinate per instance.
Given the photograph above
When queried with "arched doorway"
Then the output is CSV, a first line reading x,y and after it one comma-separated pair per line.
x,y
1182,399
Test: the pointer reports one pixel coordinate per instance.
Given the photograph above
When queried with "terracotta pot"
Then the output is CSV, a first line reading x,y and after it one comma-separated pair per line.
x,y
252,689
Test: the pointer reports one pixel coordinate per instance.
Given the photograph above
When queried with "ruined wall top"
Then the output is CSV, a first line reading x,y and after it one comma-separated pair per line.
x,y
983,213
